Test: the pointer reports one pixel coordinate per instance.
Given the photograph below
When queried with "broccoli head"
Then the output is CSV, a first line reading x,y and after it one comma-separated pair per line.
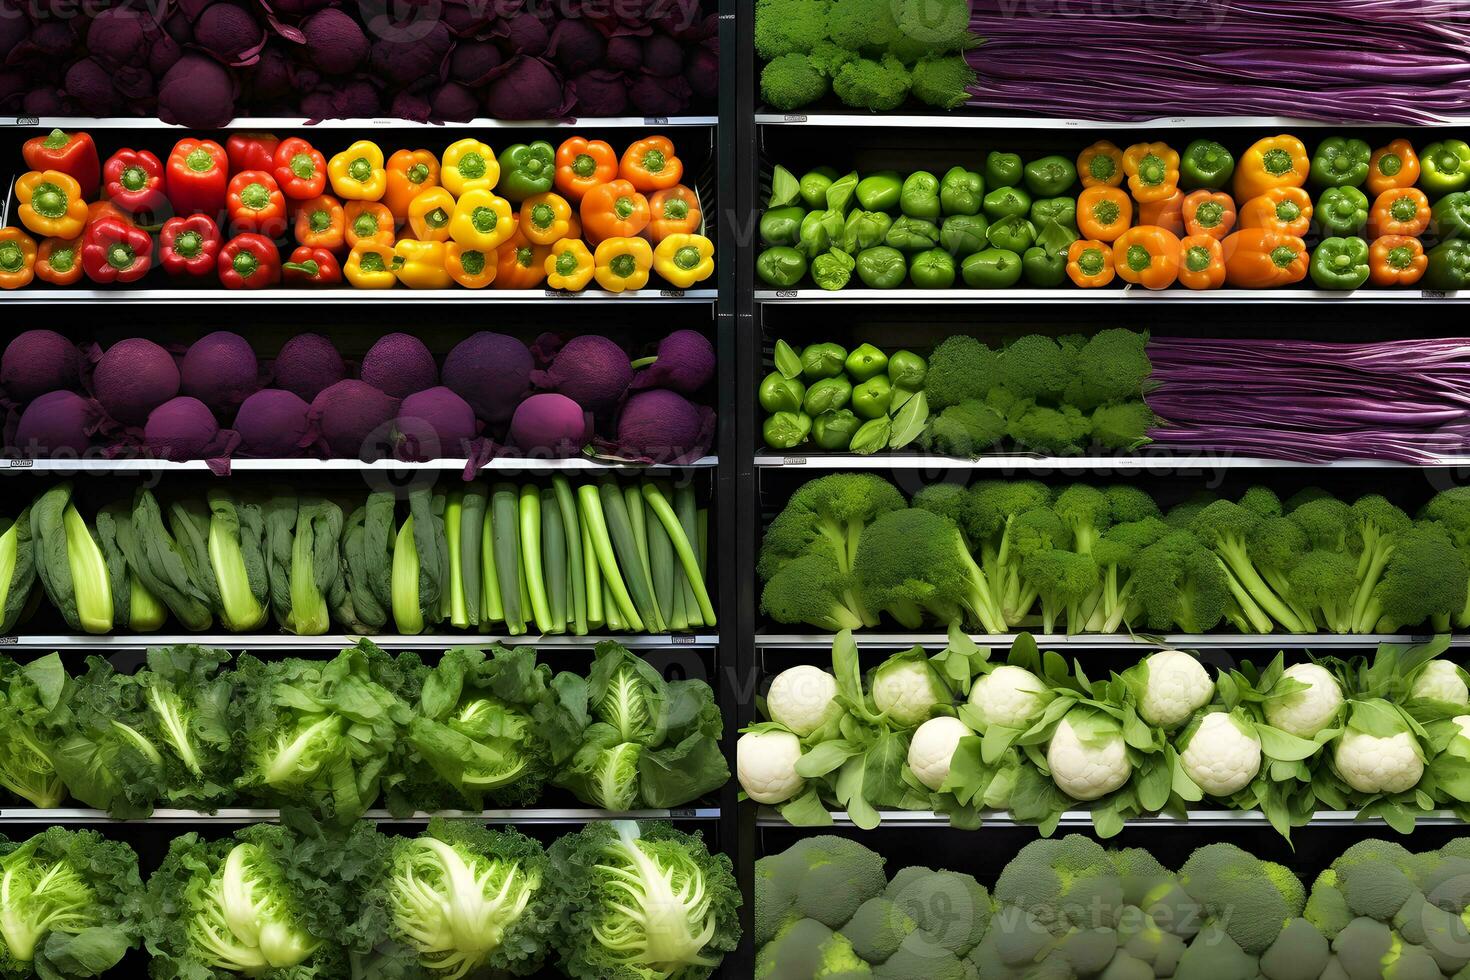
x,y
806,949
1123,427
829,514
1326,908
1087,511
877,929
1064,431
967,430
1035,366
1065,884
1262,500
881,86
789,26
930,27
830,877
951,909
1249,899
792,81
1424,581
1323,583
1062,580
1177,583
827,57
1114,366
862,25
943,82
775,898
810,589
961,369
1374,878
1324,520
1214,955
913,562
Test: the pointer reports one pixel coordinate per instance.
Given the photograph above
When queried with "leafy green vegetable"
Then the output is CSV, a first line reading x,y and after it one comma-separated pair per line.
x,y
302,564
17,568
34,711
70,562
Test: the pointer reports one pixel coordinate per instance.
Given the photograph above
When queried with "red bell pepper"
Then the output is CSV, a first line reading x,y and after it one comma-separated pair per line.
x,y
197,173
133,181
256,204
115,251
300,169
189,246
312,267
74,154
249,261
251,151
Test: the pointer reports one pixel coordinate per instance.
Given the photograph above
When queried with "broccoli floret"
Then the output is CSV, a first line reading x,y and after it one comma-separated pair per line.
x,y
961,369
1066,884
828,57
1089,950
1451,510
792,81
881,86
862,25
775,898
943,82
832,877
1442,933
1061,431
1299,953
828,513
1130,504
1406,962
994,507
1031,533
1062,580
1447,882
1326,908
1226,527
918,959
1181,515
812,590
1114,365
1263,501
1123,427
1140,873
931,27
912,562
1034,366
1323,583
1087,511
1150,944
952,909
1214,955
1116,554
1375,877
789,26
877,929
1362,946
1177,583
1424,581
806,950
949,500
1324,520
967,430
1374,528
1250,899
1275,545
1019,943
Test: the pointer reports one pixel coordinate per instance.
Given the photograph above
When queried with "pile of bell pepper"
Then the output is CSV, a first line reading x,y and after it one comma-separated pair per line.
x,y
260,211
1346,215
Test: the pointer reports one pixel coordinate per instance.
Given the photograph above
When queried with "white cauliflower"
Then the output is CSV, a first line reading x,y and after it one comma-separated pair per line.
x,y
1440,680
801,698
1088,768
1178,686
1222,758
1011,697
766,765
932,748
1370,764
1305,713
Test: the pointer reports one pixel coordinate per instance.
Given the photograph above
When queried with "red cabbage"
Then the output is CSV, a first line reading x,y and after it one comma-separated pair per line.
x,y
452,102
57,424
600,93
198,93
592,371
685,363
665,427
550,424
307,364
624,53
703,73
272,424
335,42
184,428
525,88
662,55
411,106
433,424
576,46
490,371
38,361
221,370
399,364
653,96
473,61
90,86
525,34
354,420
405,64
133,378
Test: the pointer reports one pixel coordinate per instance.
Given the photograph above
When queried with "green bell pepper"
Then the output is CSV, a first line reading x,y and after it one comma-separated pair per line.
x,y
994,268
865,229
823,361
880,191
882,267
933,269
782,226
963,234
1205,163
526,169
1444,167
1340,263
960,191
920,196
1014,234
1003,169
827,395
1062,210
779,393
1342,211
1449,266
781,266
1050,176
814,237
814,186
1045,264
833,431
1452,215
1341,162
870,399
786,430
841,192
833,270
1005,202
865,361
912,235
907,370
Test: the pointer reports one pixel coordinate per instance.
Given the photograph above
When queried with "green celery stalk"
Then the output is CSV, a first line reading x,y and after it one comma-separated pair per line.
x,y
688,511
491,608
593,585
451,600
576,575
625,543
633,500
682,546
408,612
661,564
615,622
471,535
590,497
531,558
554,556
506,515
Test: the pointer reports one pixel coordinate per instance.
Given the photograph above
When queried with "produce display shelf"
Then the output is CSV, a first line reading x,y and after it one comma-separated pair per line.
x,y
247,815
768,817
967,297
363,296
1020,462
1193,641
507,465
331,642
255,123
960,120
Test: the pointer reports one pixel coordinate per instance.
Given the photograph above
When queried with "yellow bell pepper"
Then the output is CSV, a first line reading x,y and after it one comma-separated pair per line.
x,y
569,266
469,165
482,220
622,263
684,260
357,172
421,264
51,203
372,266
429,214
546,218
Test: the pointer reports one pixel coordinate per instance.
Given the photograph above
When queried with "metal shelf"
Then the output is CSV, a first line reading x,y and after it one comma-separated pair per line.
x,y
768,817
1207,641
963,297
956,120
251,124
365,296
336,641
1020,462
507,464
247,815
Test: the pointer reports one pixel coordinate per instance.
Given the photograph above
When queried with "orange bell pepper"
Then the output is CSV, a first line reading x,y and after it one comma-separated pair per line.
x,y
429,215
51,203
546,218
59,261
1103,213
321,223
1261,258
1101,165
650,164
1287,209
582,164
1391,166
1153,171
471,267
1276,161
1399,211
521,263
410,173
17,258
1090,264
369,221
614,210
1396,260
1201,262
1208,212
1166,212
1147,256
675,211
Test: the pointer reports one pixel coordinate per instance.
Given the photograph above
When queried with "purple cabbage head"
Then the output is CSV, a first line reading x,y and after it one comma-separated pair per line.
x,y
197,92
57,424
526,88
308,363
624,53
183,428
399,364
433,424
703,72
550,424
653,96
453,102
352,419
405,58
576,46
133,378
662,55
525,33
686,363
91,87
230,33
473,61
272,424
490,371
38,361
590,370
665,427
600,93
335,43
220,370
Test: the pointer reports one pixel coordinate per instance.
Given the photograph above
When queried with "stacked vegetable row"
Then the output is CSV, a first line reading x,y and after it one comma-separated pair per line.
x,y
530,215
492,397
889,408
478,728
1072,908
1203,219
629,557
1388,737
849,551
458,899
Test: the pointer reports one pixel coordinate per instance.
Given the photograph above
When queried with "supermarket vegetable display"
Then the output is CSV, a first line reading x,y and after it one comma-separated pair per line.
x,y
628,556
848,551
958,733
258,212
1073,908
492,396
479,728
1268,215
204,66
610,901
